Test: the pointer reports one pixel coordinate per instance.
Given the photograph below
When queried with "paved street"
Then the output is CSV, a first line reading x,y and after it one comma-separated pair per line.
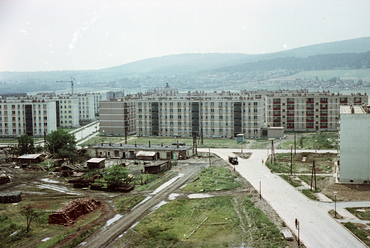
x,y
317,227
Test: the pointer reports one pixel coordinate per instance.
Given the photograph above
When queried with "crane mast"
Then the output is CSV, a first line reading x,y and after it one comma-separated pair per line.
x,y
70,81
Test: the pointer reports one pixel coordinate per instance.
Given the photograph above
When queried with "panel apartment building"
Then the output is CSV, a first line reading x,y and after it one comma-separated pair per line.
x,y
173,114
117,117
354,134
301,110
27,116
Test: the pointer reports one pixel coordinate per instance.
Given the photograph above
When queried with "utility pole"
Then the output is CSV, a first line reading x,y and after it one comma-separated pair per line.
x,y
273,159
291,160
313,174
70,81
295,145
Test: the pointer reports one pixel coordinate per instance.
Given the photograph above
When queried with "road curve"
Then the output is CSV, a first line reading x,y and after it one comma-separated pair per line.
x,y
317,227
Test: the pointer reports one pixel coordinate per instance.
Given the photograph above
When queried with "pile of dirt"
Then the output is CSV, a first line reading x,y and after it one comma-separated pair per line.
x,y
68,213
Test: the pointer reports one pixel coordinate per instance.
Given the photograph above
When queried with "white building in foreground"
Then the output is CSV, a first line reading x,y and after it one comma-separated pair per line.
x,y
354,145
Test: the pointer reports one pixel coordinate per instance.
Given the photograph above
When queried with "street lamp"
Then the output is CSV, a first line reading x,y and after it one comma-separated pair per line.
x,y
335,204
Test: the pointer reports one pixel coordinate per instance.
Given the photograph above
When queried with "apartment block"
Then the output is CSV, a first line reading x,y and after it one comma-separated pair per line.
x,y
225,114
307,111
27,116
117,117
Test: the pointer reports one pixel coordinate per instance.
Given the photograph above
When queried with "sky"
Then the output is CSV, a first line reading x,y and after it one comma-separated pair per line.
x,y
46,35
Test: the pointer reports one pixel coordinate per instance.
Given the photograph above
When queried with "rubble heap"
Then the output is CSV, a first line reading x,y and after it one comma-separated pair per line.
x,y
67,214
4,179
11,197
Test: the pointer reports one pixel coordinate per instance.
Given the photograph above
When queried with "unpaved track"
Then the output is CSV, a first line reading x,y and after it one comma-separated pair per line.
x,y
107,235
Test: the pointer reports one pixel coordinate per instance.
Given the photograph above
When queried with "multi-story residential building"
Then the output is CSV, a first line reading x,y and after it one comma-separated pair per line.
x,y
225,114
307,111
115,95
27,116
117,117
67,111
354,166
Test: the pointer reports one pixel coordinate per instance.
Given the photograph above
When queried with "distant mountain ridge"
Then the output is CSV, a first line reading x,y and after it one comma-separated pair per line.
x,y
185,63
199,68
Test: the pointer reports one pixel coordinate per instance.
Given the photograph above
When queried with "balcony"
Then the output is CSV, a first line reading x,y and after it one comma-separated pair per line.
x,y
277,114
309,121
310,114
290,114
310,101
290,127
343,102
290,121
290,108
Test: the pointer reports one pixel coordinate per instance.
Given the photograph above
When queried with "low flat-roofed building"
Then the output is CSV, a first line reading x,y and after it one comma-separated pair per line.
x,y
29,158
354,166
96,163
130,151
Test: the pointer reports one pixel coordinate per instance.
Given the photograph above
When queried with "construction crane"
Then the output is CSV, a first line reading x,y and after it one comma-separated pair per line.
x,y
71,81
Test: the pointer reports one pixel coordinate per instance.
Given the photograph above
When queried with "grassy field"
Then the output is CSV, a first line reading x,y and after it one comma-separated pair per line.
x,y
360,233
13,223
211,179
209,142
361,213
208,222
313,140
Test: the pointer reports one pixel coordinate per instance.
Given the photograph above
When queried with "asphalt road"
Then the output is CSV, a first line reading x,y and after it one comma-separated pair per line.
x,y
317,227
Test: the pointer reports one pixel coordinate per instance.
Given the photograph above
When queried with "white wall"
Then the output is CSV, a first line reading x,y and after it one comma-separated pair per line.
x,y
355,148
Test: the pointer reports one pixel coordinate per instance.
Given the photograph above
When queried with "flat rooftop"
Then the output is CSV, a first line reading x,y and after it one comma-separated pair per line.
x,y
348,110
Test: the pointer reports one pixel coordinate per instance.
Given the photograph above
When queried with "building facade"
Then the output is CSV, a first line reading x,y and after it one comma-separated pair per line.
x,y
27,116
307,111
174,114
117,117
354,166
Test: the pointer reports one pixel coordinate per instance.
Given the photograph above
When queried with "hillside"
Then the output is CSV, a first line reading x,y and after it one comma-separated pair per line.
x,y
200,71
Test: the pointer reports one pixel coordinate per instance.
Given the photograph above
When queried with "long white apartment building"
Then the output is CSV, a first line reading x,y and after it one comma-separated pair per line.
x,y
300,110
223,114
27,116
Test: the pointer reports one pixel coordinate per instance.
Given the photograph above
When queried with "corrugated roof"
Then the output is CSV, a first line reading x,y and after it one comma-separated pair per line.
x,y
29,156
95,160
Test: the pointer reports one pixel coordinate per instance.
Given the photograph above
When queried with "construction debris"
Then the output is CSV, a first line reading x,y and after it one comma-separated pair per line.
x,y
74,209
10,197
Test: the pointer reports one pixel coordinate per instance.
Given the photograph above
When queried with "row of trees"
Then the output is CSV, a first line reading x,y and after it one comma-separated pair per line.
x,y
59,143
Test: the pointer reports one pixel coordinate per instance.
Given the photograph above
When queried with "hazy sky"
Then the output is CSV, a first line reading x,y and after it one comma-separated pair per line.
x,y
42,35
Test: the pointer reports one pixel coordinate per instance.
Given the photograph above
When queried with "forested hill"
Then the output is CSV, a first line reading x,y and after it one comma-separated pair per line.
x,y
199,69
343,61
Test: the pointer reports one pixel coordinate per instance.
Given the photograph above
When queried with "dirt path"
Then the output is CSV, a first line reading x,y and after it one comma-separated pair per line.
x,y
108,235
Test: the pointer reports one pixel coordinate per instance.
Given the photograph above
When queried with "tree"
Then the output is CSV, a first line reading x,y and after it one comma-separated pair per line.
x,y
25,145
30,213
116,175
62,144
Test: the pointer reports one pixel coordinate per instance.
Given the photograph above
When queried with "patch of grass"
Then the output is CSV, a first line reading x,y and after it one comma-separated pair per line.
x,y
265,231
361,234
361,213
126,203
260,144
291,181
211,179
177,224
310,194
279,167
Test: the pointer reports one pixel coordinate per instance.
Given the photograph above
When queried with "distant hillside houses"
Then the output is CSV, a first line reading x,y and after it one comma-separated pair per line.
x,y
167,112
43,113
